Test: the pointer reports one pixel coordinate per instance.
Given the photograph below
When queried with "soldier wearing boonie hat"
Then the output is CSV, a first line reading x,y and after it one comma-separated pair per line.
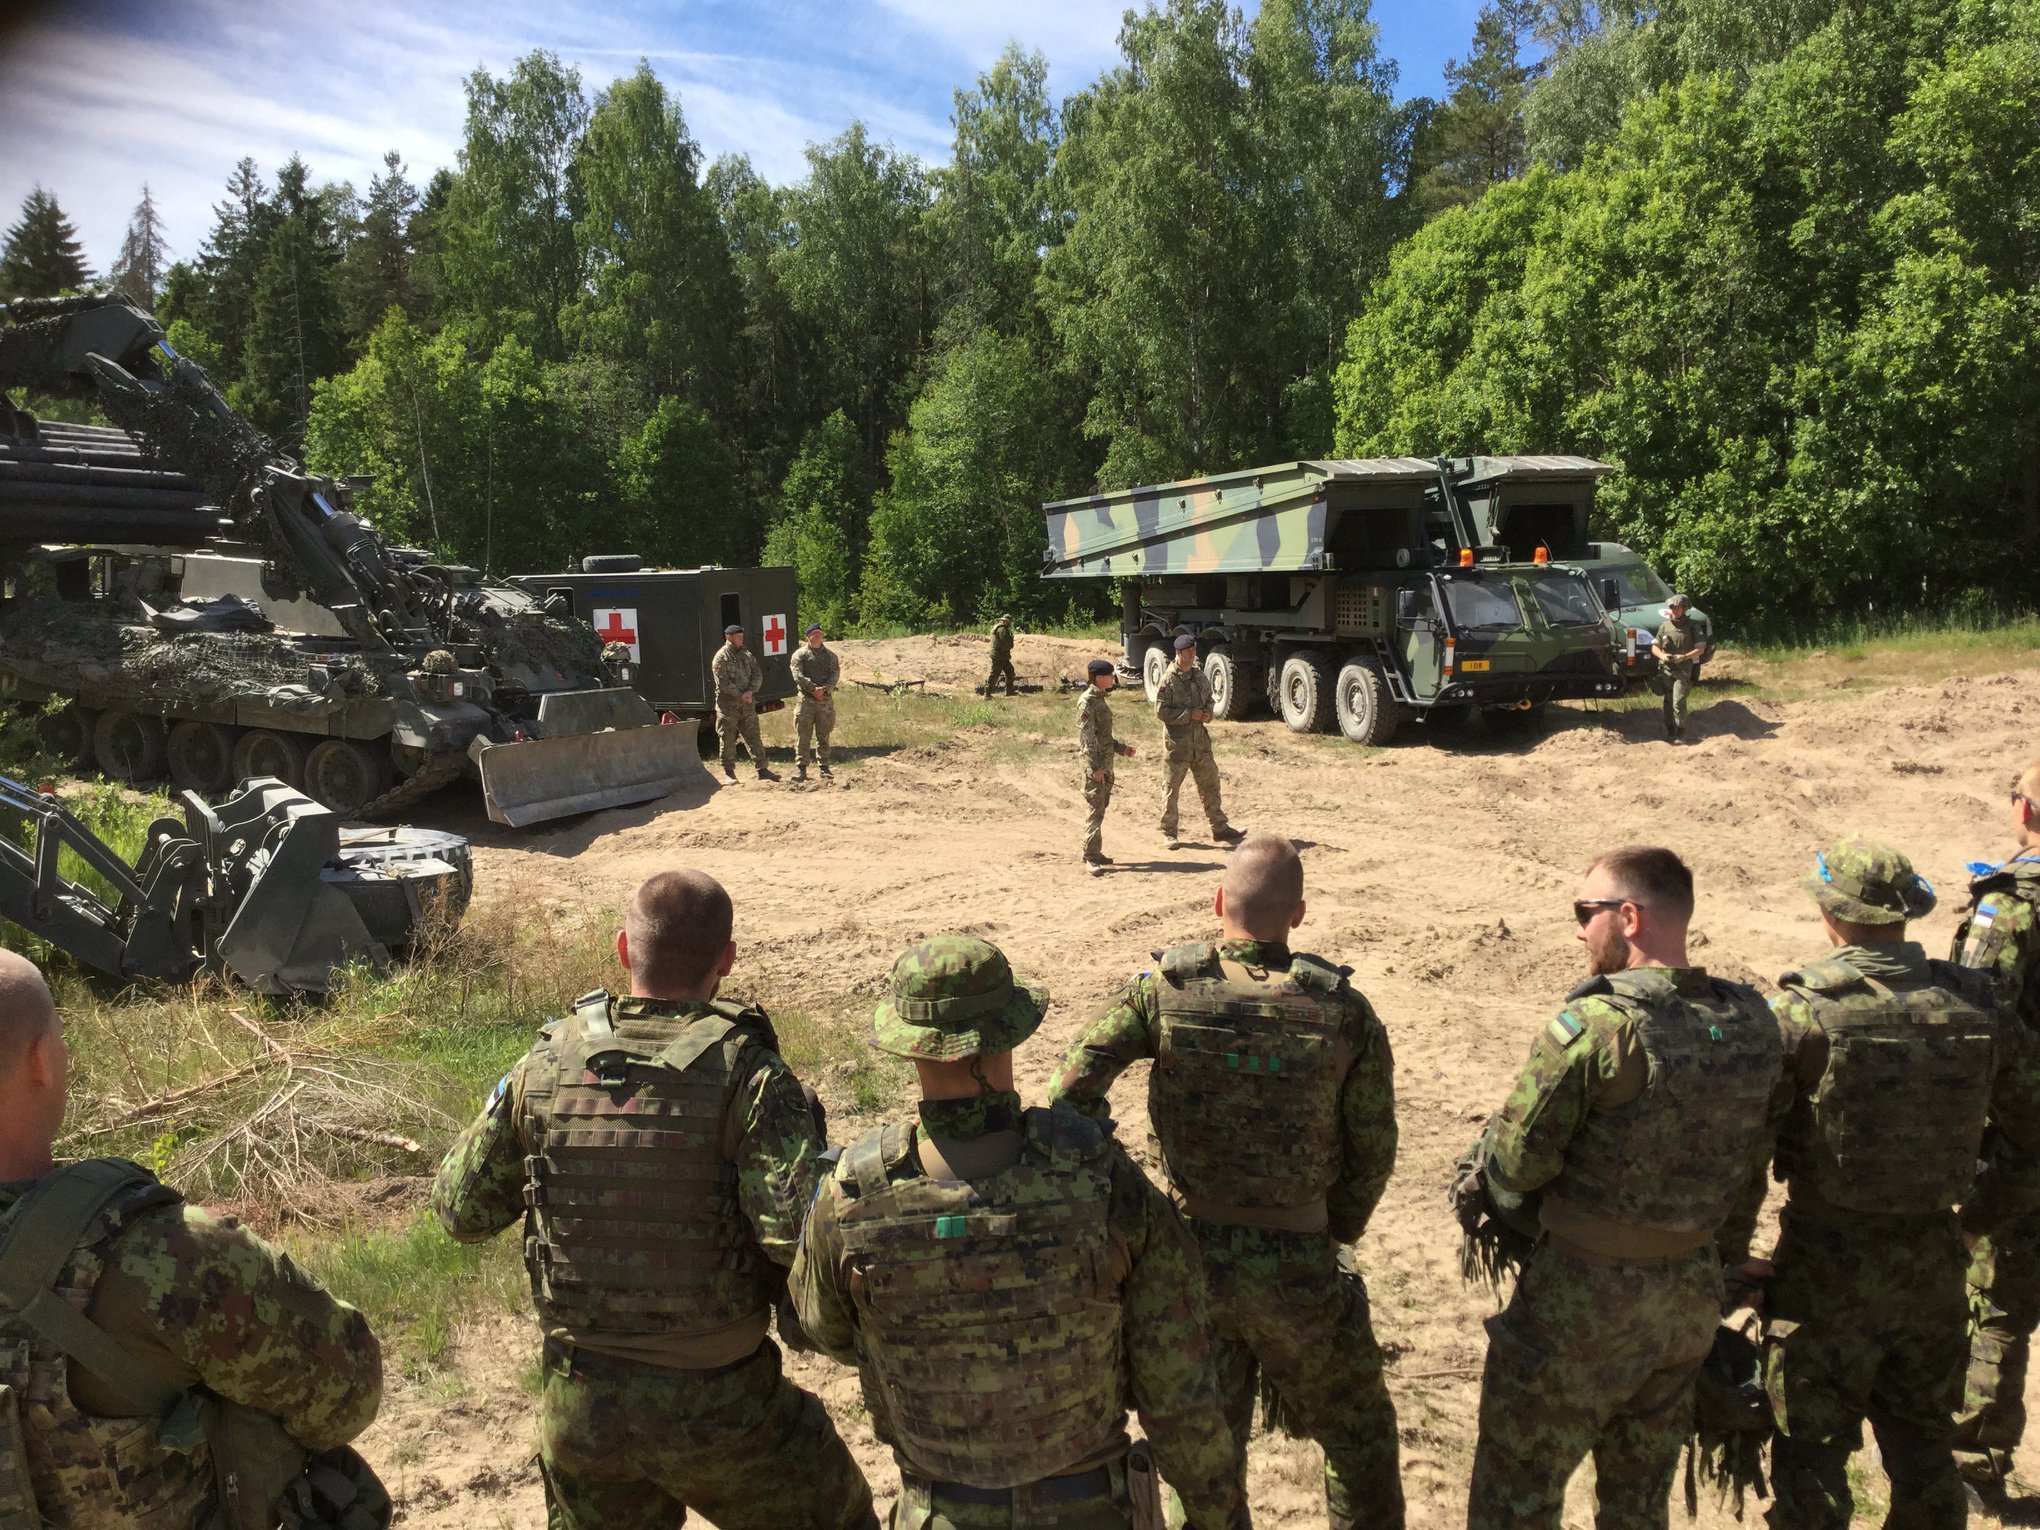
x,y
815,674
1006,1281
1094,738
737,676
1898,1064
1681,647
1002,657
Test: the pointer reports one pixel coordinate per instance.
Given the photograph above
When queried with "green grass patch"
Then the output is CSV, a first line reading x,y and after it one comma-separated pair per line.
x,y
415,1284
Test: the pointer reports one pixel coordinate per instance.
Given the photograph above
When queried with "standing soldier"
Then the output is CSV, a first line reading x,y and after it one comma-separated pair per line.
x,y
1183,703
1644,1118
2001,936
1898,1064
661,1156
1002,655
1007,1281
1273,1100
124,1307
1094,738
737,676
1681,648
815,673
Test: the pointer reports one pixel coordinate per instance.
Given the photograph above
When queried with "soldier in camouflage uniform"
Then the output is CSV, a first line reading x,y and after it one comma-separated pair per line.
x,y
737,676
661,1156
1681,648
2000,935
1896,1064
815,673
1007,1282
1643,1118
1272,1099
1094,739
1183,704
1002,656
155,1299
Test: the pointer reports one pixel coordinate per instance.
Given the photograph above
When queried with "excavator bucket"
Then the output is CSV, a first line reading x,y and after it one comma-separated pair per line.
x,y
628,757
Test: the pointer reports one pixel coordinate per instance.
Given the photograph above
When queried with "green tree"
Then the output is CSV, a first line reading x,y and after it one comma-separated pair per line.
x,y
991,215
144,255
216,292
677,490
374,274
41,257
1477,139
824,497
295,333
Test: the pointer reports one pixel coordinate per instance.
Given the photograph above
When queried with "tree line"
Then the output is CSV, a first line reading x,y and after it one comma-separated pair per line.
x,y
1770,256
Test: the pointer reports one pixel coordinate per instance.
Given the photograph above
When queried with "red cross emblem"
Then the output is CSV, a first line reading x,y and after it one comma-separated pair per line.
x,y
618,624
775,634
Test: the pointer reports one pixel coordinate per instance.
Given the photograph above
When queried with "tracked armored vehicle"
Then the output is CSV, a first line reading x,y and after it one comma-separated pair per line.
x,y
181,599
1356,593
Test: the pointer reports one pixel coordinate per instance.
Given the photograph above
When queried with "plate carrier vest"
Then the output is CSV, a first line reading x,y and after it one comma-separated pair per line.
x,y
1979,942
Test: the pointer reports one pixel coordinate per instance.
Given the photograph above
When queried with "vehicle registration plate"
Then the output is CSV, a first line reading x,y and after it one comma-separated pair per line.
x,y
1475,666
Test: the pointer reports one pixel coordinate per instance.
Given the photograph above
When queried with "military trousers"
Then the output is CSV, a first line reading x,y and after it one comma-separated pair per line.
x,y
1201,768
1097,798
813,722
1002,667
629,1446
1592,1358
1865,1318
739,722
1288,1312
1678,683
2004,1309
1057,1504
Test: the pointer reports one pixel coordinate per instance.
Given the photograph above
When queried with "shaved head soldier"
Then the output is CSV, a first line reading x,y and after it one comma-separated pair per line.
x,y
1272,1098
663,1390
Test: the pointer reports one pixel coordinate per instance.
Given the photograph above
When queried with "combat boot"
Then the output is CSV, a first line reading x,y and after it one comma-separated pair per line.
x,y
1096,863
800,772
765,774
827,775
729,771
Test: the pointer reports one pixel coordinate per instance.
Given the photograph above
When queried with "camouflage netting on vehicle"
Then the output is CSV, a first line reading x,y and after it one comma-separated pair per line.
x,y
544,642
185,425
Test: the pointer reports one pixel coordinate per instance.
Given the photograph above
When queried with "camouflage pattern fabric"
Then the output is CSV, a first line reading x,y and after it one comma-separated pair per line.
x,y
1165,1367
1188,746
955,996
1595,1358
814,717
1099,750
200,1299
925,1506
1002,658
627,1446
1677,637
735,671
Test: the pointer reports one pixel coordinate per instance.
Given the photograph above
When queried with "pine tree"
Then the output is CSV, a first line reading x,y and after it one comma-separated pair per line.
x,y
144,253
375,273
42,256
1477,140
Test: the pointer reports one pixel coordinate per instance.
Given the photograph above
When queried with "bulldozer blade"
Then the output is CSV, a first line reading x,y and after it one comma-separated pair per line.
x,y
292,928
541,778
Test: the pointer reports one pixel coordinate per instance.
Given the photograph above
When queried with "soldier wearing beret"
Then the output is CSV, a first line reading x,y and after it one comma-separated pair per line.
x,y
1094,739
815,674
1183,704
737,676
1007,1282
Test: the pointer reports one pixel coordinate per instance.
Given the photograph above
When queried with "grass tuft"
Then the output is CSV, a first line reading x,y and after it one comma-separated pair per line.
x,y
415,1284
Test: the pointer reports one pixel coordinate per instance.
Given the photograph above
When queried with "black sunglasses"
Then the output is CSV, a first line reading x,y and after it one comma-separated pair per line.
x,y
1584,909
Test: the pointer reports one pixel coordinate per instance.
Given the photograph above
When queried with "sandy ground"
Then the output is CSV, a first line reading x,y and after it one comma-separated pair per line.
x,y
1440,871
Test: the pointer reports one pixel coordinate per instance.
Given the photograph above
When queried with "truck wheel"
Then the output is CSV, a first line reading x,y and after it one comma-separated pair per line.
x,y
1307,692
1367,713
128,747
201,756
345,776
1231,692
1154,664
262,752
67,733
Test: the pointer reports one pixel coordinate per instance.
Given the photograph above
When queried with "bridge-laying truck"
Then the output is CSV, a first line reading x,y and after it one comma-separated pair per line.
x,y
1357,593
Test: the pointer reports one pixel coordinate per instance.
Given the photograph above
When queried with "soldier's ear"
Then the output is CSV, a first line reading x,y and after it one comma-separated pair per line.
x,y
1218,903
727,960
623,949
1296,918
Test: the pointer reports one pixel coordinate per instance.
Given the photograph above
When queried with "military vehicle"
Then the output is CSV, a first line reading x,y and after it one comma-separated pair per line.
x,y
1348,592
176,596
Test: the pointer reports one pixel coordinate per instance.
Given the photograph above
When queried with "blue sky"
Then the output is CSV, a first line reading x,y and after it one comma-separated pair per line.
x,y
98,96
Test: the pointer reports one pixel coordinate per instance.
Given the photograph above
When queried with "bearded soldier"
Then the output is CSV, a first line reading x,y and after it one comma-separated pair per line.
x,y
1644,1117
2000,936
1007,1282
737,676
1273,1101
1898,1063
1681,646
661,1156
815,673
1183,706
129,1320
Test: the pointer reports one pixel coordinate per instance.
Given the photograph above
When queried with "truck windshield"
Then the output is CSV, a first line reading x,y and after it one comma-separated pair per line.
x,y
1565,600
1475,604
1638,584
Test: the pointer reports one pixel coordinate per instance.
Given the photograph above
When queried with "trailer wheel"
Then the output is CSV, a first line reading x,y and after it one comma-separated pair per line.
x,y
345,776
128,747
201,756
1367,713
1232,690
1307,692
1154,665
263,752
67,733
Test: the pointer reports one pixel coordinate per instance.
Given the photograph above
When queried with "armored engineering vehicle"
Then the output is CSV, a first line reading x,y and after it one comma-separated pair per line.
x,y
1355,593
178,597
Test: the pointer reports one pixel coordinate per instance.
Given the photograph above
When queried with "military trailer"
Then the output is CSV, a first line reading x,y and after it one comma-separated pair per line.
x,y
1353,593
672,622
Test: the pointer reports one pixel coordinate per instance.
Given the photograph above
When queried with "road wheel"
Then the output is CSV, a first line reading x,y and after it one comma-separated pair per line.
x,y
128,747
201,756
262,752
1367,713
1154,665
1231,690
67,733
1307,692
346,775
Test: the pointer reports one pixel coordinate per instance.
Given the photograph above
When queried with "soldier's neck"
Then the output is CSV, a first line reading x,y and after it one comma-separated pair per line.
x,y
23,1160
700,994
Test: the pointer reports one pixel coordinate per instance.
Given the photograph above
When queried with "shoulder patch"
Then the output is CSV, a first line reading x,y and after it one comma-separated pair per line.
x,y
497,1096
1565,1029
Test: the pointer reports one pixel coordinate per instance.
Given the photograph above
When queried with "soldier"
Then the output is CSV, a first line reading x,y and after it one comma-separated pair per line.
x,y
2000,935
1183,703
1007,1281
815,673
1681,648
1897,1064
1094,738
1642,1118
737,676
1273,1101
661,1156
1002,656
119,1299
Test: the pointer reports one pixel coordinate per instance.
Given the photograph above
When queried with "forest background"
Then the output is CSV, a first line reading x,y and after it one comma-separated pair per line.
x,y
1775,258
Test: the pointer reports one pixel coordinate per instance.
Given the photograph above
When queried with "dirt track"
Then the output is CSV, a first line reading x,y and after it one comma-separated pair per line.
x,y
1440,873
